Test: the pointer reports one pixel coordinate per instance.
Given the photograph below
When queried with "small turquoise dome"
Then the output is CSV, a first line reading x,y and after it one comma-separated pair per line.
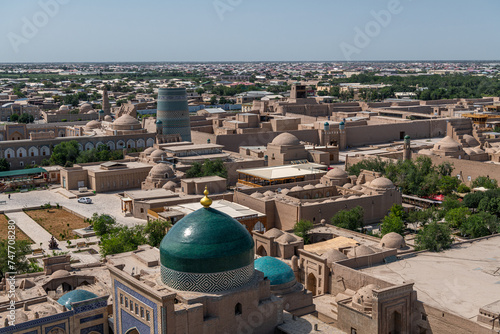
x,y
207,241
342,123
75,296
327,124
278,272
159,122
101,111
407,137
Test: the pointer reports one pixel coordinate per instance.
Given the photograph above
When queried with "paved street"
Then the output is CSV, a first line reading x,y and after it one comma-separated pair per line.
x,y
102,203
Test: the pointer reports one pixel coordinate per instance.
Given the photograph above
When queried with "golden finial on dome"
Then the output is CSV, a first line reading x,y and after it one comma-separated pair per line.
x,y
206,201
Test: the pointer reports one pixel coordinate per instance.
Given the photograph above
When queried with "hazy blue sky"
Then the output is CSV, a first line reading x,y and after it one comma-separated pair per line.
x,y
248,30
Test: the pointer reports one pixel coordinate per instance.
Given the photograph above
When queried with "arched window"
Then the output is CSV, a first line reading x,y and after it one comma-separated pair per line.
x,y
238,309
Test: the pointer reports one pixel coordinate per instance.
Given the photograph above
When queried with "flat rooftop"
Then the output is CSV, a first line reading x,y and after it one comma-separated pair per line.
x,y
234,210
127,165
192,147
286,171
460,280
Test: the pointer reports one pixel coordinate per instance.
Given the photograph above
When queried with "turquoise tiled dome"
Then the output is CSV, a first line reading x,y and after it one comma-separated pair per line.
x,y
275,270
75,296
207,241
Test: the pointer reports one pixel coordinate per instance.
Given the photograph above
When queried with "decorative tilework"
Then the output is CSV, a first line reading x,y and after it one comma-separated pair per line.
x,y
37,322
210,282
94,317
172,97
62,326
79,308
141,298
97,328
129,322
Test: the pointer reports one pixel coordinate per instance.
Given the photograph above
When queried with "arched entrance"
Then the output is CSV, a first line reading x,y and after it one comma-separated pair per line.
x,y
311,283
133,331
261,251
395,323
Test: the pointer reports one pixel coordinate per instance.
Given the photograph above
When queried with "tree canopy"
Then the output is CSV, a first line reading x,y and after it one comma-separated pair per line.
x,y
349,219
302,229
434,237
207,168
394,221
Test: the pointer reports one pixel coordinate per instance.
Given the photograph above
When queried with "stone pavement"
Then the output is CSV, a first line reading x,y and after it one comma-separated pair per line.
x,y
37,233
101,203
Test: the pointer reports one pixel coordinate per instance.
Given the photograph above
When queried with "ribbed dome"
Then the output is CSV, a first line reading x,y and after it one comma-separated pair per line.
x,y
75,296
286,139
161,171
309,187
203,242
382,183
337,173
275,270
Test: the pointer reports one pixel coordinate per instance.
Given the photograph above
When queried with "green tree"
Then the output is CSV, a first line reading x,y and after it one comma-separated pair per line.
x,y
156,230
448,184
462,188
208,168
4,165
472,200
490,204
122,239
434,237
349,219
303,229
14,118
480,225
65,152
394,221
485,182
102,224
456,217
15,253
423,216
26,118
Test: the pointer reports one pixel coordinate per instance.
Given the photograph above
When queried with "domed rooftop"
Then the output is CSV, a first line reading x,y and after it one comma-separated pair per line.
x,y
93,125
357,187
170,185
44,310
158,153
275,270
348,185
360,251
297,188
85,108
382,183
286,238
334,255
309,187
447,144
149,150
126,120
364,296
207,251
269,193
274,233
257,195
337,173
161,171
286,139
75,296
471,141
108,118
20,317
59,274
393,240
63,108
320,185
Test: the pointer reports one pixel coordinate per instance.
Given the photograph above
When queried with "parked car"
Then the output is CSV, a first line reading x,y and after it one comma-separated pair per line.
x,y
85,200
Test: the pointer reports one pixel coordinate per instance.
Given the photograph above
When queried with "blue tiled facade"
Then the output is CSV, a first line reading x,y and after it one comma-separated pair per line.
x,y
97,328
94,317
62,326
131,323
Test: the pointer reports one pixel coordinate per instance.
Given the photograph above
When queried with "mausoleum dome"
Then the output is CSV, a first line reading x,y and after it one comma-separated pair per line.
x,y
382,183
161,171
337,173
393,240
286,139
275,270
207,251
75,296
447,144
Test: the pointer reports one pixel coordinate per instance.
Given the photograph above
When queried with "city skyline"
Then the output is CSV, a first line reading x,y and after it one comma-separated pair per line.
x,y
240,31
